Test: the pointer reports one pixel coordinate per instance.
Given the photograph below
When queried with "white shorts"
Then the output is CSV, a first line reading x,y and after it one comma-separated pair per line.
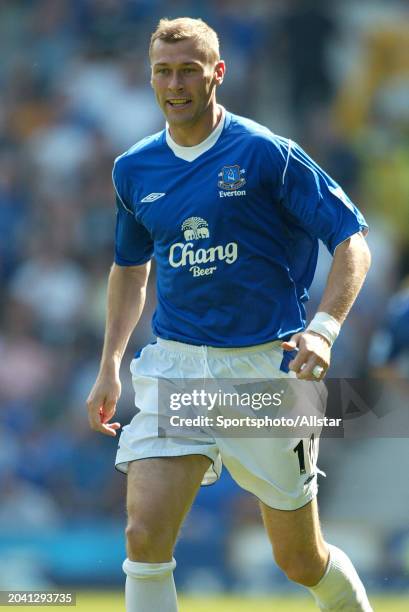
x,y
280,471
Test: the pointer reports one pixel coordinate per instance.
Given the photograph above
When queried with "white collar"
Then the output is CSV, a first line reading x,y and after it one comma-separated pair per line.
x,y
191,153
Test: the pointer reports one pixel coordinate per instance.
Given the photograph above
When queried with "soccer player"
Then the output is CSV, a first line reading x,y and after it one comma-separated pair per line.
x,y
233,214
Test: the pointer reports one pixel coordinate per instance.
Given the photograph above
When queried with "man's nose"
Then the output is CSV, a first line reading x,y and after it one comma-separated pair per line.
x,y
175,82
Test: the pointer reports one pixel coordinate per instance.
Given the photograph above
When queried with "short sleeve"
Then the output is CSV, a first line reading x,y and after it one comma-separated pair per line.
x,y
133,243
317,202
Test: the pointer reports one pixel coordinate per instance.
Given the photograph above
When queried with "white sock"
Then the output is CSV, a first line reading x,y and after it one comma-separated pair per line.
x,y
340,588
150,587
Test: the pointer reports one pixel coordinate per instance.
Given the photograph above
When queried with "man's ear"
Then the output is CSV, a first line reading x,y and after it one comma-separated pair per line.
x,y
219,72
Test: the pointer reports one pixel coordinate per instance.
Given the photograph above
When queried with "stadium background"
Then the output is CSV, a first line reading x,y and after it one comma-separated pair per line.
x,y
75,93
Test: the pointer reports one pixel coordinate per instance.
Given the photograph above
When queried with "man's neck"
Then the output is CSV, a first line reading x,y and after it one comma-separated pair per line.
x,y
189,136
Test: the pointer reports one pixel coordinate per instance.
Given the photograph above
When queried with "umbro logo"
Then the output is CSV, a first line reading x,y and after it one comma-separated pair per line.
x,y
152,197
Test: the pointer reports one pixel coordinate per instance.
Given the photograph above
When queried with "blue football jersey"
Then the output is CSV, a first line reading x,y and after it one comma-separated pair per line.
x,y
234,225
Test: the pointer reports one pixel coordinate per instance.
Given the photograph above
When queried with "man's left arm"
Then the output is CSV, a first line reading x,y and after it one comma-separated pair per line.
x,y
350,265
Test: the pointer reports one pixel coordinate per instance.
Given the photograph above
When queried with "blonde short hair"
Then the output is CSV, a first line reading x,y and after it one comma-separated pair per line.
x,y
184,28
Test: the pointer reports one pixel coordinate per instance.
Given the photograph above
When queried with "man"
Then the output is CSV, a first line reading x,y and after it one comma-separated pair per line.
x,y
233,214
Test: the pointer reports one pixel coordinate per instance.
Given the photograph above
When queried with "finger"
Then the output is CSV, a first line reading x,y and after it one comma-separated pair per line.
x,y
107,411
104,418
299,362
318,376
95,404
110,429
288,345
106,428
292,343
94,420
307,371
95,412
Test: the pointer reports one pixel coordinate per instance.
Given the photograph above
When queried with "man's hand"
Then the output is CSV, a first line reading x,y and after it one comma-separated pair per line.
x,y
313,350
102,402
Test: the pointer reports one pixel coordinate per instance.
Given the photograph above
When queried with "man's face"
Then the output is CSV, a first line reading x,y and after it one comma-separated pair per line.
x,y
184,80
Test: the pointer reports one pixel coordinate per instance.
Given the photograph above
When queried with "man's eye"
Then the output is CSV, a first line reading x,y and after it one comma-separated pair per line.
x,y
162,70
188,70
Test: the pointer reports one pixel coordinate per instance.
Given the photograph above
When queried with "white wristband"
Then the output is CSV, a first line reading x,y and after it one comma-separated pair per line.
x,y
325,325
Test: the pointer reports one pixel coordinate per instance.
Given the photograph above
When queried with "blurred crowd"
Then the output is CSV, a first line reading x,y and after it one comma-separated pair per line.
x,y
75,94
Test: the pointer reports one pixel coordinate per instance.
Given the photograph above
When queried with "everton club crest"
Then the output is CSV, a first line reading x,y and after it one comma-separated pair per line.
x,y
230,178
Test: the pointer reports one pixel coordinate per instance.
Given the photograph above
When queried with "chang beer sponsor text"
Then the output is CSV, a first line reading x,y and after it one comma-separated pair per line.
x,y
183,254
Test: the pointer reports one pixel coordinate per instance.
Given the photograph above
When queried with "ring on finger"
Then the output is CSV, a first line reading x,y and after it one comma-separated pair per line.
x,y
317,371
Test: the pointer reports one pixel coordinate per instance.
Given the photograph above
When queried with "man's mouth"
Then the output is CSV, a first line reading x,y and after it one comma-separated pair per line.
x,y
178,102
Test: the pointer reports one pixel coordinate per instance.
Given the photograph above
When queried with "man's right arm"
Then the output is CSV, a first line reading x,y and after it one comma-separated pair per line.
x,y
125,302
